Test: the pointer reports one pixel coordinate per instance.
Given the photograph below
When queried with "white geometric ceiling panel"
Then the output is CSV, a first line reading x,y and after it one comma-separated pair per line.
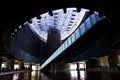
x,y
66,22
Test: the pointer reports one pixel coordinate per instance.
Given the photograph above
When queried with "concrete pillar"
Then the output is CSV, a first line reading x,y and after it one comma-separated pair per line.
x,y
91,66
10,64
0,64
37,72
53,41
37,67
30,67
114,62
21,66
104,67
98,67
78,71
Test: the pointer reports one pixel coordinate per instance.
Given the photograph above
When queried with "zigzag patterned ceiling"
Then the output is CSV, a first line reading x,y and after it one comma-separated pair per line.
x,y
66,22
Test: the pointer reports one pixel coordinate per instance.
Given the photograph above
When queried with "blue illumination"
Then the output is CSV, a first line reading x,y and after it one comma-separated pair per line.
x,y
67,22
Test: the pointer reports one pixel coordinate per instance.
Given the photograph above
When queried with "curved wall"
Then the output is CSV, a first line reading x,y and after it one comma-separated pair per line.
x,y
27,46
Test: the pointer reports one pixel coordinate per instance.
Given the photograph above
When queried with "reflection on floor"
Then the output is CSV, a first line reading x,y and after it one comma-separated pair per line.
x,y
59,75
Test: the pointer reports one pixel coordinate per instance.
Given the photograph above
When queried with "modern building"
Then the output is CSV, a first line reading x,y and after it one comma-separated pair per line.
x,y
61,36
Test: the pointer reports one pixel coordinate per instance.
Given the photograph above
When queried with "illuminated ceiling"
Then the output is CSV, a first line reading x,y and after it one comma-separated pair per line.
x,y
66,22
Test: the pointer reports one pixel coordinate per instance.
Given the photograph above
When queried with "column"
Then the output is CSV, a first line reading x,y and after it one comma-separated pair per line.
x,y
91,66
10,64
21,66
38,67
78,71
37,72
99,68
104,68
114,62
30,67
0,63
53,41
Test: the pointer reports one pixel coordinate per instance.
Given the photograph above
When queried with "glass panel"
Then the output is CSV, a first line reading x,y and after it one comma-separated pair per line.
x,y
55,54
77,34
65,44
82,29
88,23
63,48
73,38
96,16
92,19
60,49
69,41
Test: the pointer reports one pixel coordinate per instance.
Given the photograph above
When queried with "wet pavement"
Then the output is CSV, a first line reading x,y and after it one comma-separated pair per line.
x,y
58,75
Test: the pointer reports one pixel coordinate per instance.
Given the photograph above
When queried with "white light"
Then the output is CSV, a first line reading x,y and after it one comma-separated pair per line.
x,y
16,66
20,26
73,71
12,33
82,73
10,36
60,20
15,76
3,65
73,66
15,30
